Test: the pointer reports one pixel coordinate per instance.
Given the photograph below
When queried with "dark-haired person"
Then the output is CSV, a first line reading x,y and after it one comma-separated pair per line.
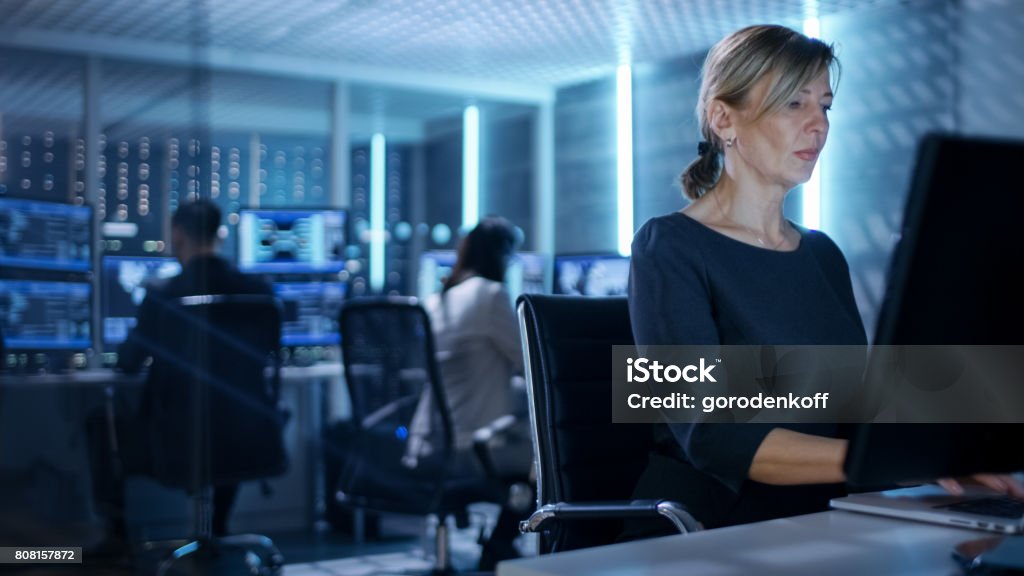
x,y
477,341
194,242
730,269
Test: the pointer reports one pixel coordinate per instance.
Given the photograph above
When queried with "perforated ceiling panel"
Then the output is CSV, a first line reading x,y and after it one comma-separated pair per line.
x,y
536,42
35,85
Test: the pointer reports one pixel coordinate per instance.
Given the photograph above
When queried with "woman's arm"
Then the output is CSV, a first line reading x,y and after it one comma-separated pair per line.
x,y
786,457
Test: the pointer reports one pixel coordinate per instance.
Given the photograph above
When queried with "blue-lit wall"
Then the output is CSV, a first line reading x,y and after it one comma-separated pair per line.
x,y
907,70
585,168
665,134
507,172
444,181
507,182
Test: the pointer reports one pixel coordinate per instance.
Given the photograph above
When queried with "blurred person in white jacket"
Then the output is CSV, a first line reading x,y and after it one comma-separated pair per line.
x,y
478,348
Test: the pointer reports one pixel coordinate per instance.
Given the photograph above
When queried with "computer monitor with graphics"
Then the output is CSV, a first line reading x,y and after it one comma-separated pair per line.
x,y
311,311
123,284
296,240
44,316
592,275
435,266
527,274
45,235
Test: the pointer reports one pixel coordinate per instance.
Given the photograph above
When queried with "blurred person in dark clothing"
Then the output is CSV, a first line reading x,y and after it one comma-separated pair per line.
x,y
118,448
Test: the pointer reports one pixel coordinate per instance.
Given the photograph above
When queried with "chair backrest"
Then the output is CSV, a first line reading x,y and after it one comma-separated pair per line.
x,y
213,391
581,456
397,400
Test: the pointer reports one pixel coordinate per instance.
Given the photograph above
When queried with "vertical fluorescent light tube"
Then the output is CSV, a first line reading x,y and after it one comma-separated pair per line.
x,y
624,137
812,189
377,213
812,27
470,167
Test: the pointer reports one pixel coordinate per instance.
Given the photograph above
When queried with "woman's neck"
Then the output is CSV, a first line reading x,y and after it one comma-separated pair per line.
x,y
752,207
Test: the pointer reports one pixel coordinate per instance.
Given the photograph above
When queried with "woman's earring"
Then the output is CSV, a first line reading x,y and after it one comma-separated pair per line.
x,y
728,142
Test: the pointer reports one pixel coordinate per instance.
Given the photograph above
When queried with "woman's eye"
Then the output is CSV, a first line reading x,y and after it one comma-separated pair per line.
x,y
827,108
794,104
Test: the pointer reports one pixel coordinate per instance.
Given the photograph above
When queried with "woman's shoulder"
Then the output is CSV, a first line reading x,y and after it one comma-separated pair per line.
x,y
820,243
678,222
477,287
675,229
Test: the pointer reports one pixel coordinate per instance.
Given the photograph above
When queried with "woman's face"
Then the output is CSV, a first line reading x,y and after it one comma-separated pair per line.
x,y
782,148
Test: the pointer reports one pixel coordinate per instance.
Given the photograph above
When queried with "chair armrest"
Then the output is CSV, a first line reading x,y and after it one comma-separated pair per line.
x,y
672,511
499,425
482,438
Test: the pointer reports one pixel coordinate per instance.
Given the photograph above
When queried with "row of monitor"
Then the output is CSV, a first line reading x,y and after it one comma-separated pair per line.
x,y
581,275
41,315
53,236
310,307
55,315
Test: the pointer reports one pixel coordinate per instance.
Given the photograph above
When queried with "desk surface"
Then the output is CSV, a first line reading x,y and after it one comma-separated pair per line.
x,y
835,543
104,376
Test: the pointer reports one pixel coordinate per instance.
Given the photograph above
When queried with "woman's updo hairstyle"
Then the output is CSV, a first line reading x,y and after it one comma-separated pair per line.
x,y
733,67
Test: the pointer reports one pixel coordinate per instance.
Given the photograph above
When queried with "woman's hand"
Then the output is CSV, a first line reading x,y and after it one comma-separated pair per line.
x,y
1002,483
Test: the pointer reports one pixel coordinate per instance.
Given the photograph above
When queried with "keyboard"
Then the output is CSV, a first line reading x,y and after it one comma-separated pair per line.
x,y
1000,506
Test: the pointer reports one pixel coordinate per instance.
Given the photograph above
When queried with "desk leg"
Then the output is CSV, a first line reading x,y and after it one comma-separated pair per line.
x,y
316,407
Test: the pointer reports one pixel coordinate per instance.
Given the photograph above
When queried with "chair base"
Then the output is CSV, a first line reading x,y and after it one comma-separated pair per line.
x,y
250,554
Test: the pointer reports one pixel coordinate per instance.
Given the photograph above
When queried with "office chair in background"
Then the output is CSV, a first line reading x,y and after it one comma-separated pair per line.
x,y
389,361
587,467
215,419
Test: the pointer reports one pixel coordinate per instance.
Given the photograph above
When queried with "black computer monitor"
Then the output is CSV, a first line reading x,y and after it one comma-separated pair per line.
x,y
44,316
592,275
953,277
45,235
311,311
123,284
291,240
953,281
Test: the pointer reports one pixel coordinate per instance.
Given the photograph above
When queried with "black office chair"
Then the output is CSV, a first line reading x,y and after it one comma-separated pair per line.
x,y
391,372
213,396
587,467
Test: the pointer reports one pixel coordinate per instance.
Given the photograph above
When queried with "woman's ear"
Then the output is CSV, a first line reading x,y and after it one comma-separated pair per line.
x,y
720,118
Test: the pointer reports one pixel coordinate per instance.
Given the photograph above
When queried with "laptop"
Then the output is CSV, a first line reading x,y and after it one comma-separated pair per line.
x,y
886,454
950,283
978,508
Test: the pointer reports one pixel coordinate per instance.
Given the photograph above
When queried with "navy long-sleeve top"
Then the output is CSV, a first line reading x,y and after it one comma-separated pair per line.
x,y
690,284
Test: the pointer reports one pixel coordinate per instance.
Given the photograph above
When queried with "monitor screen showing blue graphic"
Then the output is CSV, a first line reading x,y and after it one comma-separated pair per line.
x,y
123,287
592,275
435,266
527,274
291,241
310,312
47,235
40,315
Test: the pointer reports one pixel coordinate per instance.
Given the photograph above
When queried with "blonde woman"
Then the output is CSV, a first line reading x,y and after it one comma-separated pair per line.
x,y
730,269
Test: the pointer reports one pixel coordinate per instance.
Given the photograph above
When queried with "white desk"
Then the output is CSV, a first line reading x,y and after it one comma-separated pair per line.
x,y
835,543
104,376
